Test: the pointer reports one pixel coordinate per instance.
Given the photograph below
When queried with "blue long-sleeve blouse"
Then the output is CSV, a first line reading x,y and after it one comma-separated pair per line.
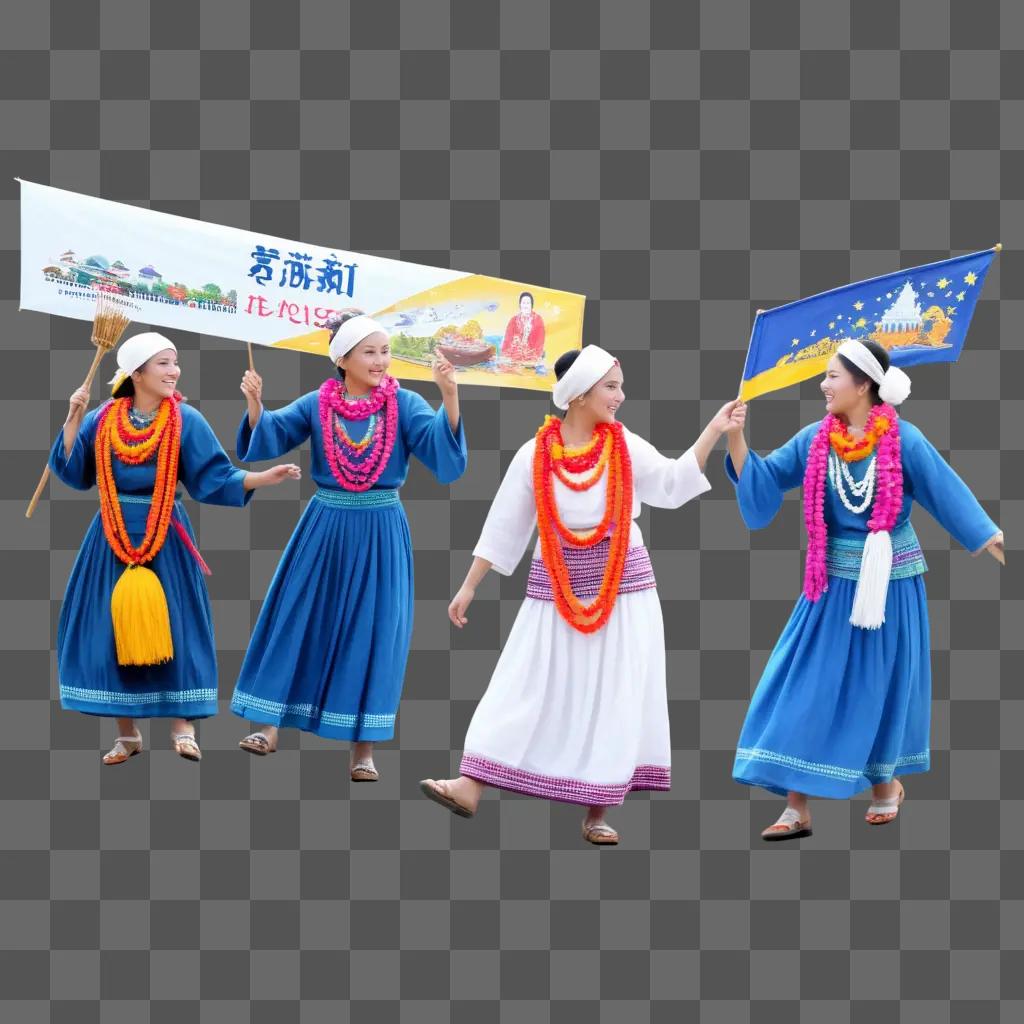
x,y
421,432
927,479
203,466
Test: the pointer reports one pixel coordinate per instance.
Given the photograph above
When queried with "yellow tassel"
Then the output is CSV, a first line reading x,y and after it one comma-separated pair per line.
x,y
142,623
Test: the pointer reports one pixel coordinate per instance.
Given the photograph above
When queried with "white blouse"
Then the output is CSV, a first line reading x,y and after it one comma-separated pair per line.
x,y
657,480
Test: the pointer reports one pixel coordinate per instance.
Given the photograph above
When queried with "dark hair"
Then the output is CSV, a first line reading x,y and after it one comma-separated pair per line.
x,y
859,376
334,325
528,295
564,361
126,389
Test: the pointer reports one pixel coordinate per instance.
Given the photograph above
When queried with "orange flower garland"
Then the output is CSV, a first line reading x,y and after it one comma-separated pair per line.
x,y
551,461
138,605
853,449
162,438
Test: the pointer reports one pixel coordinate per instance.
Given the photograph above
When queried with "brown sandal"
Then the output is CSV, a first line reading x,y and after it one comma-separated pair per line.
x,y
600,833
432,791
120,751
258,744
364,771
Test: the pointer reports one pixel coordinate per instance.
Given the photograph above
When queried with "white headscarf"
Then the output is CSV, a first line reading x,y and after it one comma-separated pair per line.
x,y
590,366
135,351
893,384
350,333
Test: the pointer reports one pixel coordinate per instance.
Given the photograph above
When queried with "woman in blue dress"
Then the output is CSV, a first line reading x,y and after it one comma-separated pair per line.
x,y
844,701
100,669
329,650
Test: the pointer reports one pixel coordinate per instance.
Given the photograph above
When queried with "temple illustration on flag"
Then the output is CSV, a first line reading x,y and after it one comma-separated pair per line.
x,y
904,324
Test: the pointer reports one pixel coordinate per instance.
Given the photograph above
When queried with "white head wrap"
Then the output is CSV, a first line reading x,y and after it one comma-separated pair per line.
x,y
590,366
134,351
350,333
893,384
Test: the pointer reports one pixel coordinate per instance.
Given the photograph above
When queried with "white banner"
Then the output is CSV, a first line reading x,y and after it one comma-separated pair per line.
x,y
223,281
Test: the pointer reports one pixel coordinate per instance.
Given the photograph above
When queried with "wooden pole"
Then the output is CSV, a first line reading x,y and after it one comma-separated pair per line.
x,y
87,383
252,365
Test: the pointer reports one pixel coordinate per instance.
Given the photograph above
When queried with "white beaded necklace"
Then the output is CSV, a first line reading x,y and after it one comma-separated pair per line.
x,y
839,473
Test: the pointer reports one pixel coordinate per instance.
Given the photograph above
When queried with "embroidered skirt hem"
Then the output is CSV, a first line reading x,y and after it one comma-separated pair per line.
x,y
330,725
772,771
569,791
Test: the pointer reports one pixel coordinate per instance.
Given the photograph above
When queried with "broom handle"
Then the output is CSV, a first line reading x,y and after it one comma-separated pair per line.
x,y
41,486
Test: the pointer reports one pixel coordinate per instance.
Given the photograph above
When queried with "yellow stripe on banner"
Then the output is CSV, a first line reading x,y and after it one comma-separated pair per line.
x,y
783,376
316,342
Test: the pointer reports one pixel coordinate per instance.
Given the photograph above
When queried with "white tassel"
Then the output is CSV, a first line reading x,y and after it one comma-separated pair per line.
x,y
873,584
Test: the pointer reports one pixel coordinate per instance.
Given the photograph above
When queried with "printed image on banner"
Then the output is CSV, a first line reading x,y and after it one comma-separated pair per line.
x,y
231,283
920,315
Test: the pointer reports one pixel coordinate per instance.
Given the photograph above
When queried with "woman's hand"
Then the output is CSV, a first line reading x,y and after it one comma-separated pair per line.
x,y
78,403
444,375
460,602
272,477
252,388
731,418
996,548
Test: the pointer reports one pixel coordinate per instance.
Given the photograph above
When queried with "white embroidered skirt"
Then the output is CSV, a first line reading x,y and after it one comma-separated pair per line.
x,y
577,717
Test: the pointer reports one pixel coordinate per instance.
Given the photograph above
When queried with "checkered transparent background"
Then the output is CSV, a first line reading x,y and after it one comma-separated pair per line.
x,y
682,164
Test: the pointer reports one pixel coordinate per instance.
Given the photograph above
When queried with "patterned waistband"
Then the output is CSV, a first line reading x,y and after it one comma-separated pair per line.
x,y
843,556
586,570
383,498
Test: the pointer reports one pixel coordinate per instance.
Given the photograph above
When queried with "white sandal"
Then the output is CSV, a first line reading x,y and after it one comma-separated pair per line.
x,y
257,743
789,826
120,751
888,806
185,746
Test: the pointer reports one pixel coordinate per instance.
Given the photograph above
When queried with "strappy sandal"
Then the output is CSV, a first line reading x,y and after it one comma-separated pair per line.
x,y
364,771
258,744
789,826
600,834
432,791
120,751
888,806
185,746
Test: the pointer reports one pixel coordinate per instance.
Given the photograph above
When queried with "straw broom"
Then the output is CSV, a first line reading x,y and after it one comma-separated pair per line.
x,y
109,323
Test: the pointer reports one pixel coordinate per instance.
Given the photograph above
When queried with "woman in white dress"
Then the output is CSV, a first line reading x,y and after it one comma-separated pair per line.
x,y
577,709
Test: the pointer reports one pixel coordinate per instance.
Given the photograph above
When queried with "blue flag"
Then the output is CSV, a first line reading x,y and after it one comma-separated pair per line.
x,y
919,315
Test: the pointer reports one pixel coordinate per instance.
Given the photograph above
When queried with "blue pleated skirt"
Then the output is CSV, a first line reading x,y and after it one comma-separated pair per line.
x,y
329,650
91,680
840,708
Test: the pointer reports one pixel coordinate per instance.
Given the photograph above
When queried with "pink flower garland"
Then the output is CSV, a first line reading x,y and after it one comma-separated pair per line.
x,y
359,475
885,508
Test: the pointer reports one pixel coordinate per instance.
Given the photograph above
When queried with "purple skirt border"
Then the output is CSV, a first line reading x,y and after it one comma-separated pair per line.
x,y
570,791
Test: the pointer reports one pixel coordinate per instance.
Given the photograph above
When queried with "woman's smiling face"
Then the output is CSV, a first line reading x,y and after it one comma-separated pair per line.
x,y
842,392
